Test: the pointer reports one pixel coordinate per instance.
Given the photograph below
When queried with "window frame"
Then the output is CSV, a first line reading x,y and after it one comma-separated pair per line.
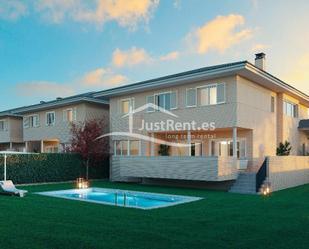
x,y
272,104
131,104
208,86
188,89
228,142
162,93
46,118
65,115
4,122
31,124
294,108
128,142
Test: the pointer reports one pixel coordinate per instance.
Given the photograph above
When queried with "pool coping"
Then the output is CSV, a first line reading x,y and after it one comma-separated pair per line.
x,y
53,194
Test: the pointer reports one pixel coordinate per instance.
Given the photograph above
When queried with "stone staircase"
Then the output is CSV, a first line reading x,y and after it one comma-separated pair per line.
x,y
244,184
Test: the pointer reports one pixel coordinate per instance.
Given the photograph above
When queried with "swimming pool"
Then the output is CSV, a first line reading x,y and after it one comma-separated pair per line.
x,y
122,198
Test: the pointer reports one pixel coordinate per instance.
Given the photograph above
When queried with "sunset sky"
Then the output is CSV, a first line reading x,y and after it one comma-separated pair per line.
x,y
56,48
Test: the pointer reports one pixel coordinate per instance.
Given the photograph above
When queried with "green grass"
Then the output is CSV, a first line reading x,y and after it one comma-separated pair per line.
x,y
221,220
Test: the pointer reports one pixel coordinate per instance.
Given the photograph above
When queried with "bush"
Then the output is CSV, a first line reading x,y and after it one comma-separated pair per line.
x,y
45,167
284,149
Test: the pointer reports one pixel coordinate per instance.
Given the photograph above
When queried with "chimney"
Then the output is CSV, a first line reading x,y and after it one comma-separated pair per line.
x,y
260,61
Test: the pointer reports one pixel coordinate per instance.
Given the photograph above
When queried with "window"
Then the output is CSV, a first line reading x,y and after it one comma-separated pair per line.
x,y
272,104
69,115
290,109
32,121
50,118
150,100
3,125
196,149
126,104
191,97
134,148
126,148
166,100
211,95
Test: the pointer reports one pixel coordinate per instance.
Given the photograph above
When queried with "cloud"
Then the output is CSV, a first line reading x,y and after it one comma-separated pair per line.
x,y
44,89
219,34
298,74
259,47
125,13
170,56
103,77
12,9
130,57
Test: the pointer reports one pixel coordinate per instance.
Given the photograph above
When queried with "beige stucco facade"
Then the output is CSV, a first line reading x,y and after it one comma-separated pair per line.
x,y
46,137
247,106
11,136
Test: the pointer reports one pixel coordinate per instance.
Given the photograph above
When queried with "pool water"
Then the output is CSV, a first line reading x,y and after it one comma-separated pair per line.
x,y
123,198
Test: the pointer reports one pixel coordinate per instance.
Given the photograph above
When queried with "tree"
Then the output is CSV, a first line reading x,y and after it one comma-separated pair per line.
x,y
84,142
164,150
284,149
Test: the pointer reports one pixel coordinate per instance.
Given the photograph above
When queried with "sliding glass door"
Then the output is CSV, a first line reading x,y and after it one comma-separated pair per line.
x,y
224,148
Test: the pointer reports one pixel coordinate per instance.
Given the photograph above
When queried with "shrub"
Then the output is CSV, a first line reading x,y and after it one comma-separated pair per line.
x,y
284,149
45,167
164,150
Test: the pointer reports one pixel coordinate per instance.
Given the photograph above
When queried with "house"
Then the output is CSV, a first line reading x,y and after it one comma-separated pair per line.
x,y
45,127
247,112
11,132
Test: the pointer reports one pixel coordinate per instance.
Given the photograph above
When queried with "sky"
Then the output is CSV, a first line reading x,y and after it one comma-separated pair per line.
x,y
58,48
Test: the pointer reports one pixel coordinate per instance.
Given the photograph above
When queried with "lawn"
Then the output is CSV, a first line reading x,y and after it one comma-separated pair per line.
x,y
221,220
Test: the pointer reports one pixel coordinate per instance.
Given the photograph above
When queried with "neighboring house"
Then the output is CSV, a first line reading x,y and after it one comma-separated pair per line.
x,y
46,127
11,132
253,112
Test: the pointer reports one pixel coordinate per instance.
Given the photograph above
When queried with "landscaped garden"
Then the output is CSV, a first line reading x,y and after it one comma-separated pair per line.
x,y
221,220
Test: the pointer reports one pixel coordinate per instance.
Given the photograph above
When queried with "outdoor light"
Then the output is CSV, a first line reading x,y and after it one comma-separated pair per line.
x,y
81,183
266,189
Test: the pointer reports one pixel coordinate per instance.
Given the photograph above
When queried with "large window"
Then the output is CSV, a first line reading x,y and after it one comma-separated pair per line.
x,y
32,121
50,118
127,148
290,109
126,104
206,95
166,100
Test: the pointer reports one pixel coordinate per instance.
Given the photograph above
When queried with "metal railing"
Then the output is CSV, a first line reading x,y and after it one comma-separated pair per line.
x,y
261,175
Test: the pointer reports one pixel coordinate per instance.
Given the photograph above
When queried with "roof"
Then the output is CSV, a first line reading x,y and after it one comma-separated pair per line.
x,y
242,68
9,114
59,102
165,79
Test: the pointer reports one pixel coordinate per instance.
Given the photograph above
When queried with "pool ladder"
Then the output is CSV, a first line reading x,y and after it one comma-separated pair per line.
x,y
124,199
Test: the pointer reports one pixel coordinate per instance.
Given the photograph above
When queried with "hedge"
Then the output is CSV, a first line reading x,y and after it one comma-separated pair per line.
x,y
48,167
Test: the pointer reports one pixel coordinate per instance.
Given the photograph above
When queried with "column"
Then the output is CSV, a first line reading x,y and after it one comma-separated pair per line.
x,y
42,146
11,145
152,145
189,142
235,142
26,147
